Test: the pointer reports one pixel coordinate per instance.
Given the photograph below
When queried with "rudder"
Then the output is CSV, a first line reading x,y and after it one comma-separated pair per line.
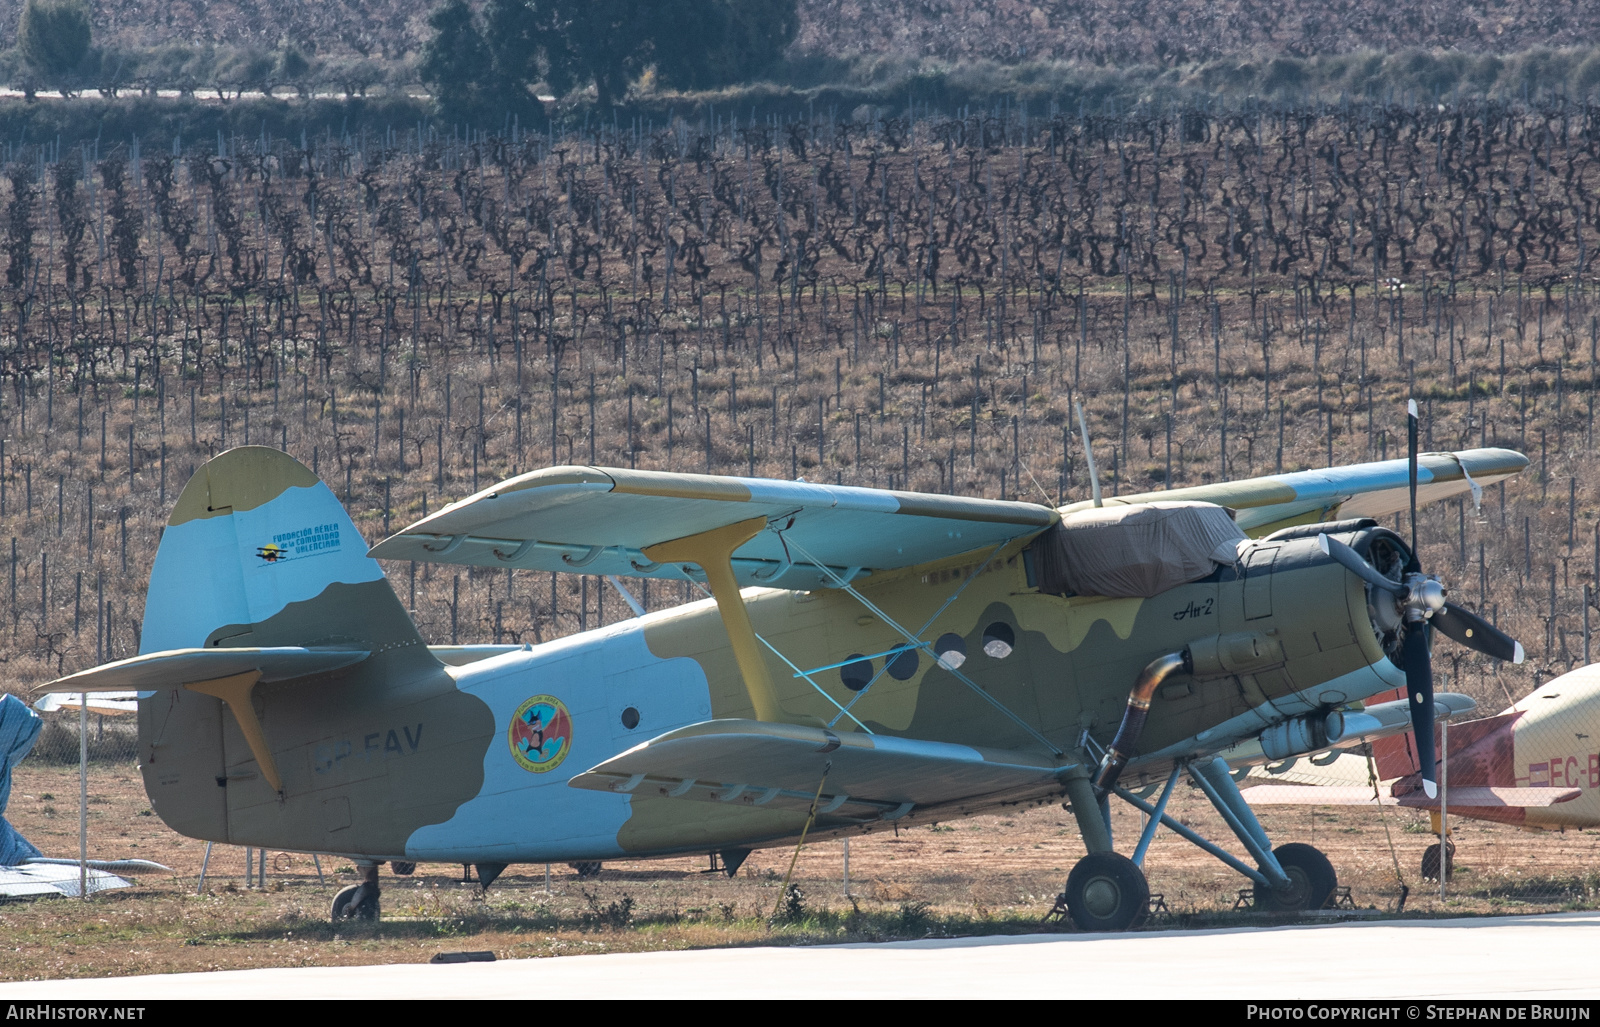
x,y
259,552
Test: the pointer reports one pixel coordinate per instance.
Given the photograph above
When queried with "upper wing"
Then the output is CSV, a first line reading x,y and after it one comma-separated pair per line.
x,y
1357,490
596,520
858,776
600,520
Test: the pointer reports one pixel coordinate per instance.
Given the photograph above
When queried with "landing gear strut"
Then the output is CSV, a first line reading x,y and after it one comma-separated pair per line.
x,y
359,901
1289,878
1105,891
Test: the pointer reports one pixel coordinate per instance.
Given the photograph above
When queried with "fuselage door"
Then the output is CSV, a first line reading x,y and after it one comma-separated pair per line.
x,y
1258,581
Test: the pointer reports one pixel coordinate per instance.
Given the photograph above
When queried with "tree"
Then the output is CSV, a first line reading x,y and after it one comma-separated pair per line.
x,y
572,44
754,34
292,68
568,44
457,63
53,37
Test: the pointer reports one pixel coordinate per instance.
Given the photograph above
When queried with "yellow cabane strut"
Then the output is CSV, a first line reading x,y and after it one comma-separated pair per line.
x,y
712,551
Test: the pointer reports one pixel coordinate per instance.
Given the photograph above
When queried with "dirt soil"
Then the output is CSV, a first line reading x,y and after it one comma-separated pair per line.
x,y
985,875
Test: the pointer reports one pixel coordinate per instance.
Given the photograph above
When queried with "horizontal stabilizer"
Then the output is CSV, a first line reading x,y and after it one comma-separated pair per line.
x,y
461,655
869,777
178,667
1458,798
600,520
111,704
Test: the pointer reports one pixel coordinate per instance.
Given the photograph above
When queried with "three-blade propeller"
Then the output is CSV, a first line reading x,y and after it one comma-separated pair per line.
x,y
1422,602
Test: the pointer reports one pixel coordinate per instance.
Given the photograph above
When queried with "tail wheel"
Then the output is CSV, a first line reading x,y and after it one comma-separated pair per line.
x,y
1107,892
1311,877
1430,862
357,902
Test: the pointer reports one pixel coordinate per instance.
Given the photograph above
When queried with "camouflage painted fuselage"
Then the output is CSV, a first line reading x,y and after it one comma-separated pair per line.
x,y
401,757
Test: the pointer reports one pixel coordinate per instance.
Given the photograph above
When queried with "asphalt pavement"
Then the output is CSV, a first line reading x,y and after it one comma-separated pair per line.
x,y
1521,957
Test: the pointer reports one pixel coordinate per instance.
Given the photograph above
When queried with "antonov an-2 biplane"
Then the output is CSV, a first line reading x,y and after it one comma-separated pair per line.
x,y
864,658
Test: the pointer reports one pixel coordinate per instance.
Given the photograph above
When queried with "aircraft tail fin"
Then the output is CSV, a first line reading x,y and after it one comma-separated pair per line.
x,y
259,553
1395,755
1480,751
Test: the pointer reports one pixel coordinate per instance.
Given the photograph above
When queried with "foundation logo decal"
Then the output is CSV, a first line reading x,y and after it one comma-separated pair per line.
x,y
297,545
541,734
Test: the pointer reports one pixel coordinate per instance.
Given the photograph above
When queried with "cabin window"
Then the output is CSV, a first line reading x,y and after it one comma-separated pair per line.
x,y
903,663
952,650
999,640
856,674
630,718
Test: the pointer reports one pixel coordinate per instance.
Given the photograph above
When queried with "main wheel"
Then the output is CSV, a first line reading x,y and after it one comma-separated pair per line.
x,y
587,868
1430,862
1107,892
357,902
1311,875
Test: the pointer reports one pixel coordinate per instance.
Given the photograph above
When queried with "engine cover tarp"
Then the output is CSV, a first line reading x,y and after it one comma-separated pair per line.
x,y
1136,550
19,728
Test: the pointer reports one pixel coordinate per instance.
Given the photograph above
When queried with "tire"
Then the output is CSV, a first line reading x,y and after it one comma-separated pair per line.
x,y
586,868
1430,862
1107,892
1313,876
355,902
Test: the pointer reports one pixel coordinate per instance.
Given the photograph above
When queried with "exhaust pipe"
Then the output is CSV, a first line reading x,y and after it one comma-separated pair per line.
x,y
1123,746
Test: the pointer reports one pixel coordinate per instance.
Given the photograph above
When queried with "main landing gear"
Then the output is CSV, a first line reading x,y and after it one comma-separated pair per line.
x,y
1108,892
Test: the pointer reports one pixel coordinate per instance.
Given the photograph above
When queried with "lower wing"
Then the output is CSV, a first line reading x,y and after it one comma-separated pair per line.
x,y
853,776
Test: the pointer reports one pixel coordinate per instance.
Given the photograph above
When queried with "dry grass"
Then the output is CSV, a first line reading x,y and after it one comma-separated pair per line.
x,y
987,875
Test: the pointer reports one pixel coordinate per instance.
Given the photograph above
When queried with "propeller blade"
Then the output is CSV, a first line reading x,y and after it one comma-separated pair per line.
x,y
1352,562
1418,665
1475,633
1411,461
